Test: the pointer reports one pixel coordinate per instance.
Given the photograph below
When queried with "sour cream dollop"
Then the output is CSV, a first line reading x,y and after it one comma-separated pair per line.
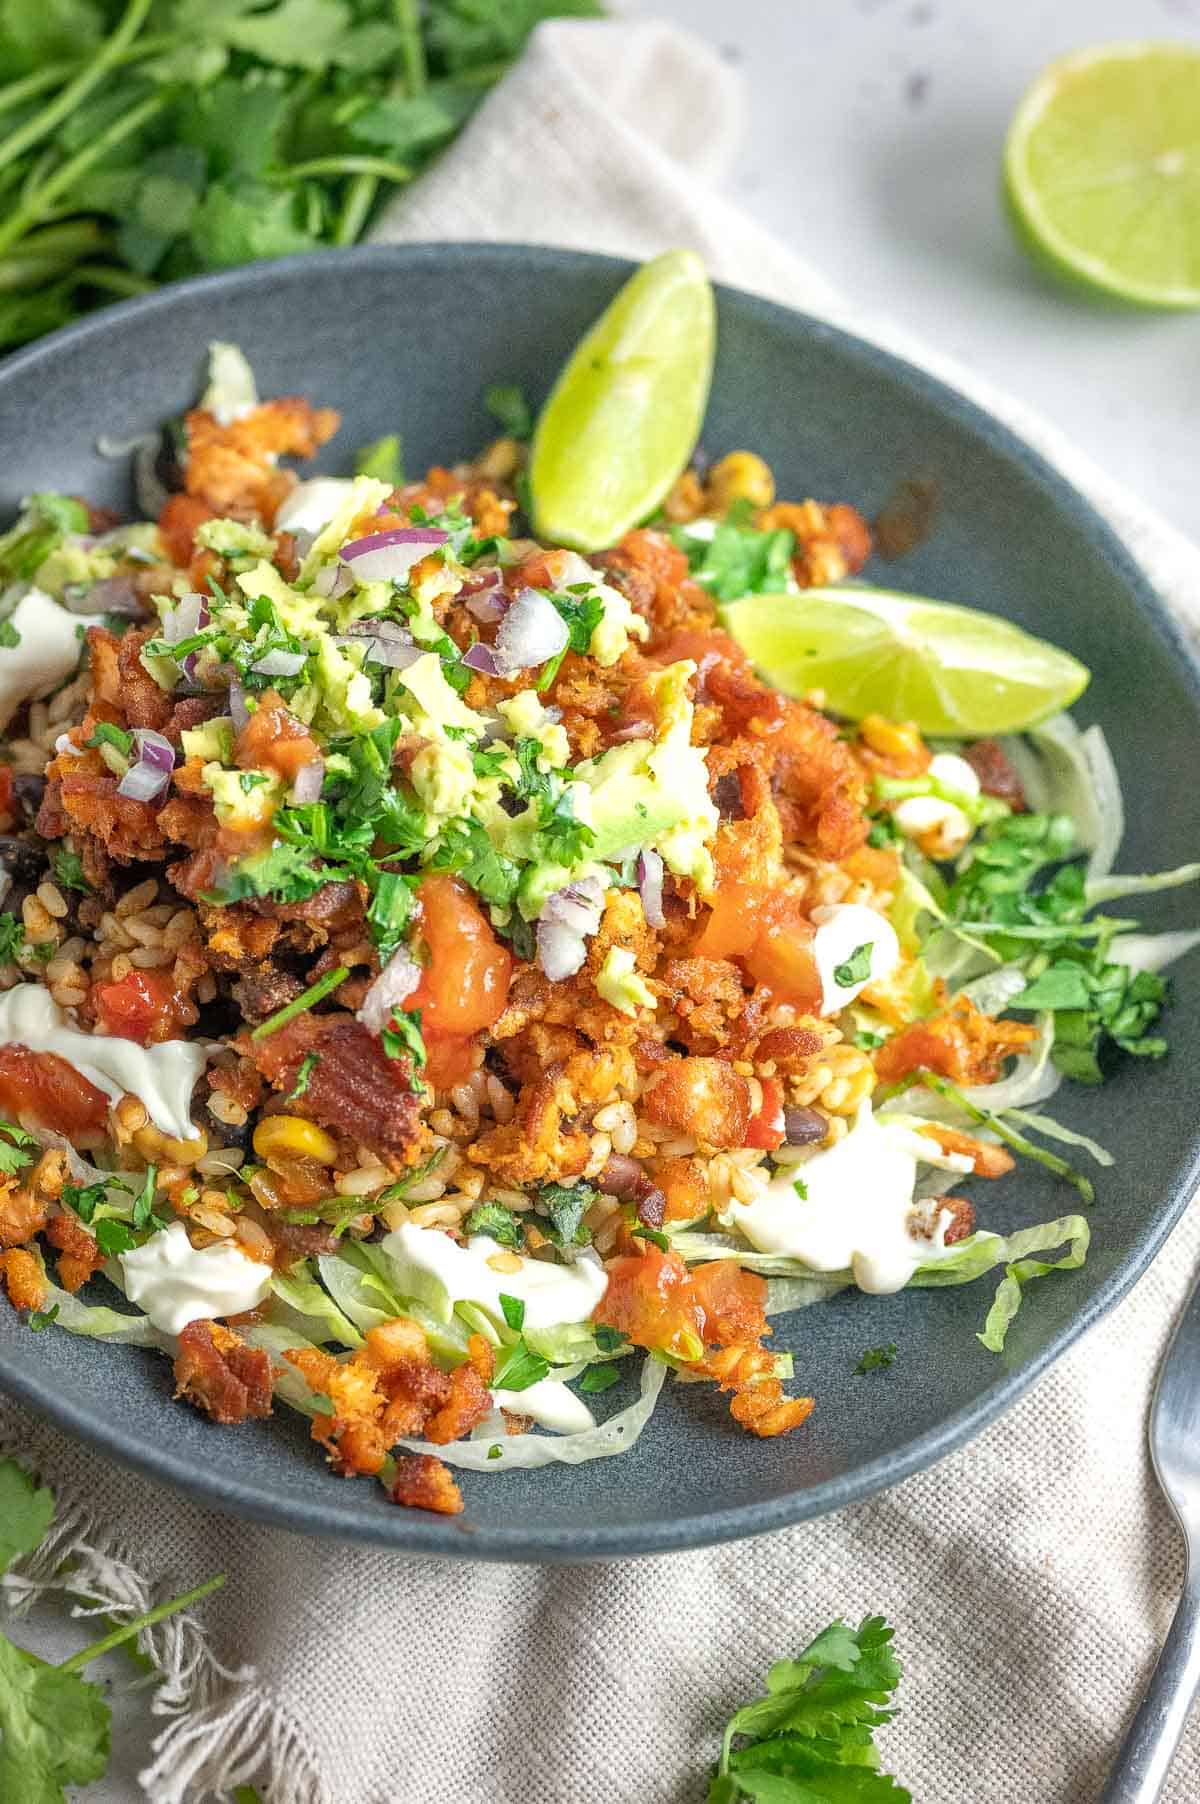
x,y
852,1209
551,1404
842,929
177,1283
552,1294
49,646
162,1077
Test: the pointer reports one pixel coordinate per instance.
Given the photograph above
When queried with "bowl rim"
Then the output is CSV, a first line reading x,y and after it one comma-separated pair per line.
x,y
408,1531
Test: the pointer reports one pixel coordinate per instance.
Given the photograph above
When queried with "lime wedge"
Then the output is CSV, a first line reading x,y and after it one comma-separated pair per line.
x,y
625,413
1102,171
955,671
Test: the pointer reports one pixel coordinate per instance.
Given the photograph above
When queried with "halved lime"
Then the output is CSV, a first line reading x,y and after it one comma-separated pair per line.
x,y
1102,171
955,671
625,413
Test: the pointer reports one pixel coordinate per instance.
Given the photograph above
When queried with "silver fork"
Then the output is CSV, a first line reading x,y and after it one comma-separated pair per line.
x,y
1141,1768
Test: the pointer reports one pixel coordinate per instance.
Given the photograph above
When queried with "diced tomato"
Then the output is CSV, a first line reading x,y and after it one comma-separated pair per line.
x,y
136,1006
733,925
178,523
772,936
765,1129
273,739
782,954
465,985
451,1059
42,1088
657,1302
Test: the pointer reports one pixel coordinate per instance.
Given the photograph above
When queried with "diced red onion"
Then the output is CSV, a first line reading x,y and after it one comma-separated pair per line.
x,y
531,633
560,949
393,648
149,776
650,883
579,906
480,657
115,595
394,985
309,781
387,557
488,606
332,581
280,663
238,711
190,615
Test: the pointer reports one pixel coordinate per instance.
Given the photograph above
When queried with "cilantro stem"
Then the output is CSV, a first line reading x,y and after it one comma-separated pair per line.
x,y
147,1620
50,252
412,50
381,167
1010,1136
32,209
43,123
114,281
303,1002
360,197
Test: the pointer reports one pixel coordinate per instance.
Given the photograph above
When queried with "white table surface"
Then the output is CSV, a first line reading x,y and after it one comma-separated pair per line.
x,y
873,143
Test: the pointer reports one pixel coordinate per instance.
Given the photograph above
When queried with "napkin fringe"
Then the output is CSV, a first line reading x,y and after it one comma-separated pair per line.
x,y
226,1730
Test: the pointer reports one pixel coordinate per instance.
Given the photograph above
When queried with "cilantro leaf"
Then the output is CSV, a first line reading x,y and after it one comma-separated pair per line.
x,y
857,968
9,636
107,734
654,1235
565,1206
15,1145
599,1378
113,1237
738,560
517,1367
465,849
389,912
68,870
285,872
54,1728
875,1359
403,1035
514,1311
810,1739
26,1512
381,459
507,405
501,1224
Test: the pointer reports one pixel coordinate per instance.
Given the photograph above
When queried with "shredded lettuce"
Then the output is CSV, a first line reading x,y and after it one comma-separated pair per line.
x,y
1054,1130
784,1294
308,1307
96,1321
979,1253
1110,889
526,1451
1064,771
277,1339
1153,951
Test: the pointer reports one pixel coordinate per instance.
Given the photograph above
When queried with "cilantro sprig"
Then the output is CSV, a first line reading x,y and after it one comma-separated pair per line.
x,y
811,1738
55,1725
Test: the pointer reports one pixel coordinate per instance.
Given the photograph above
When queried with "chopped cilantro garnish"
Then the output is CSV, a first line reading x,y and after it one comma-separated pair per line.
x,y
535,784
857,968
84,1199
286,872
876,1359
68,869
14,1142
249,780
561,838
306,1000
389,911
517,1367
653,1235
113,1237
867,1040
514,1311
599,1378
609,1340
739,561
106,734
9,636
42,1318
582,613
465,849
497,1222
403,1035
508,407
495,1451
565,1206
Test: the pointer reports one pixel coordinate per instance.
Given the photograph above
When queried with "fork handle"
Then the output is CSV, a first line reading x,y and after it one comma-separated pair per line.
x,y
1141,1768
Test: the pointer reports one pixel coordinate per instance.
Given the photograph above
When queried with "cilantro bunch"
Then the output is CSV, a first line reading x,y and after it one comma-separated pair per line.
x,y
145,141
811,1739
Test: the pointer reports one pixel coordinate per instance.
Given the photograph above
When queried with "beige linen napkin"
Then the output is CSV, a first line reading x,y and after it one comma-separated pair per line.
x,y
1030,1577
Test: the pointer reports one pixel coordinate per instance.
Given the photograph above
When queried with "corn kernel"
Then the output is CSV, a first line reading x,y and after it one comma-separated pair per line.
x,y
742,476
293,1134
893,738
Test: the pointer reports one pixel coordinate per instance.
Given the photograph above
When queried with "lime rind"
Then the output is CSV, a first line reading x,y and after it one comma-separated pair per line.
x,y
955,671
1146,214
625,413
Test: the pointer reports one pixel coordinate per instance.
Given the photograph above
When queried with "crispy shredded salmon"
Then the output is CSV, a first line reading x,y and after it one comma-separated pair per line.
x,y
220,1374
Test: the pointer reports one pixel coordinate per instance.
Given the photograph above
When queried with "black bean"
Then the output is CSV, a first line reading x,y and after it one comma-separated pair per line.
x,y
804,1127
727,794
29,791
24,860
622,1176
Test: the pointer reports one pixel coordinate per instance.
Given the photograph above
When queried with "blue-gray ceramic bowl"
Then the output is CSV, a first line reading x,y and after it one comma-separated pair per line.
x,y
405,340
